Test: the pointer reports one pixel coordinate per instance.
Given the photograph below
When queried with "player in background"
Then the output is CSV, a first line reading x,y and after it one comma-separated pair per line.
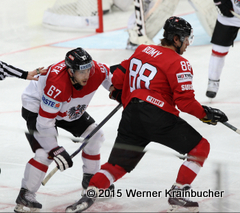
x,y
60,99
7,70
154,80
225,32
149,17
147,20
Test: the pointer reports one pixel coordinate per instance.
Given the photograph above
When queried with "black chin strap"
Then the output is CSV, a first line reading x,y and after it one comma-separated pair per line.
x,y
178,48
77,86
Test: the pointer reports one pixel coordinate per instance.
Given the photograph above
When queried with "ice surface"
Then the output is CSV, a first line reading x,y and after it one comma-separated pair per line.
x,y
29,46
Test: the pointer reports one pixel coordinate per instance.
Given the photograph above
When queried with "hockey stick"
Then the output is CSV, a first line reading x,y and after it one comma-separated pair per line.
x,y
84,142
235,14
139,15
231,127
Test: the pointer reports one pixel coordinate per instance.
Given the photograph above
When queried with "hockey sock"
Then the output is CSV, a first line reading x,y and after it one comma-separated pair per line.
x,y
100,181
91,163
107,175
187,172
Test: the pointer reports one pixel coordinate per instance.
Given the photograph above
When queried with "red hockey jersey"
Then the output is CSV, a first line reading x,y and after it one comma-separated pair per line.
x,y
160,76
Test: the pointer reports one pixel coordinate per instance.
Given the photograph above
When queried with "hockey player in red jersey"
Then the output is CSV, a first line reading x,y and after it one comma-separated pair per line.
x,y
60,99
224,34
154,80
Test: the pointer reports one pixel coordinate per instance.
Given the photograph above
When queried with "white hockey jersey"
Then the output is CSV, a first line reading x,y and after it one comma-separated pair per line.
x,y
231,21
54,97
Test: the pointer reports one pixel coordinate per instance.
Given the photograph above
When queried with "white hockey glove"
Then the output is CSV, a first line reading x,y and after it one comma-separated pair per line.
x,y
61,157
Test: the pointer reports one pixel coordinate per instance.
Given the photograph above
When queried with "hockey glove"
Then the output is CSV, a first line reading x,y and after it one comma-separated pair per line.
x,y
213,116
61,157
116,94
224,7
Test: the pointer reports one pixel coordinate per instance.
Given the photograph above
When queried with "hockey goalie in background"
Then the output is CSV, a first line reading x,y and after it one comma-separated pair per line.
x,y
149,15
143,25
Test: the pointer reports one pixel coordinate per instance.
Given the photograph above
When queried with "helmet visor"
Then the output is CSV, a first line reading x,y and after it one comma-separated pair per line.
x,y
191,38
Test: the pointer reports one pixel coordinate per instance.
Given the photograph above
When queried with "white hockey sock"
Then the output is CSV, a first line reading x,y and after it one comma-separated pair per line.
x,y
215,67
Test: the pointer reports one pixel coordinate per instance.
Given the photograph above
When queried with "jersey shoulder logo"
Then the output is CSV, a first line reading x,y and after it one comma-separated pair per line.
x,y
103,68
184,77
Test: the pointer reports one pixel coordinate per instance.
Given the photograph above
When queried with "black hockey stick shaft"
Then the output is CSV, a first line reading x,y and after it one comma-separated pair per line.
x,y
84,142
231,127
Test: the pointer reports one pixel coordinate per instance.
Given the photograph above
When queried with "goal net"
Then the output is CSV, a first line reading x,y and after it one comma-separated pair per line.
x,y
74,15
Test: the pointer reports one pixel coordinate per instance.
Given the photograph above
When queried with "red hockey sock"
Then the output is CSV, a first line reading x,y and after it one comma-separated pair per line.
x,y
185,175
107,175
100,181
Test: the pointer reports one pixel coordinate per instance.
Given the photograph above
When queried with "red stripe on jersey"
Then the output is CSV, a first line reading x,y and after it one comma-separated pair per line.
x,y
91,157
62,114
38,165
47,114
219,54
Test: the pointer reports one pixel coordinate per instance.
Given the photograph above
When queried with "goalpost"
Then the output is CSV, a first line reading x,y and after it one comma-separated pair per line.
x,y
75,15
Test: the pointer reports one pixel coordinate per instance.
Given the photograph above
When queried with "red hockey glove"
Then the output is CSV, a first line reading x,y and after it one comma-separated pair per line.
x,y
213,116
224,7
61,157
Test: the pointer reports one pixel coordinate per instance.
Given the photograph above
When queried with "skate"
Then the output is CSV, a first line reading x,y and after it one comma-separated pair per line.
x,y
85,182
26,202
175,201
213,86
85,202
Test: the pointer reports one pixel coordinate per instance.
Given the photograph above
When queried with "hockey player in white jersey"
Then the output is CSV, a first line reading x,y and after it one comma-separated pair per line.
x,y
225,32
59,100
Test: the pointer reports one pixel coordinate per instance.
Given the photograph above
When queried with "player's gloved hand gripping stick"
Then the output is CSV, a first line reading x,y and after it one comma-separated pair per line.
x,y
84,142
